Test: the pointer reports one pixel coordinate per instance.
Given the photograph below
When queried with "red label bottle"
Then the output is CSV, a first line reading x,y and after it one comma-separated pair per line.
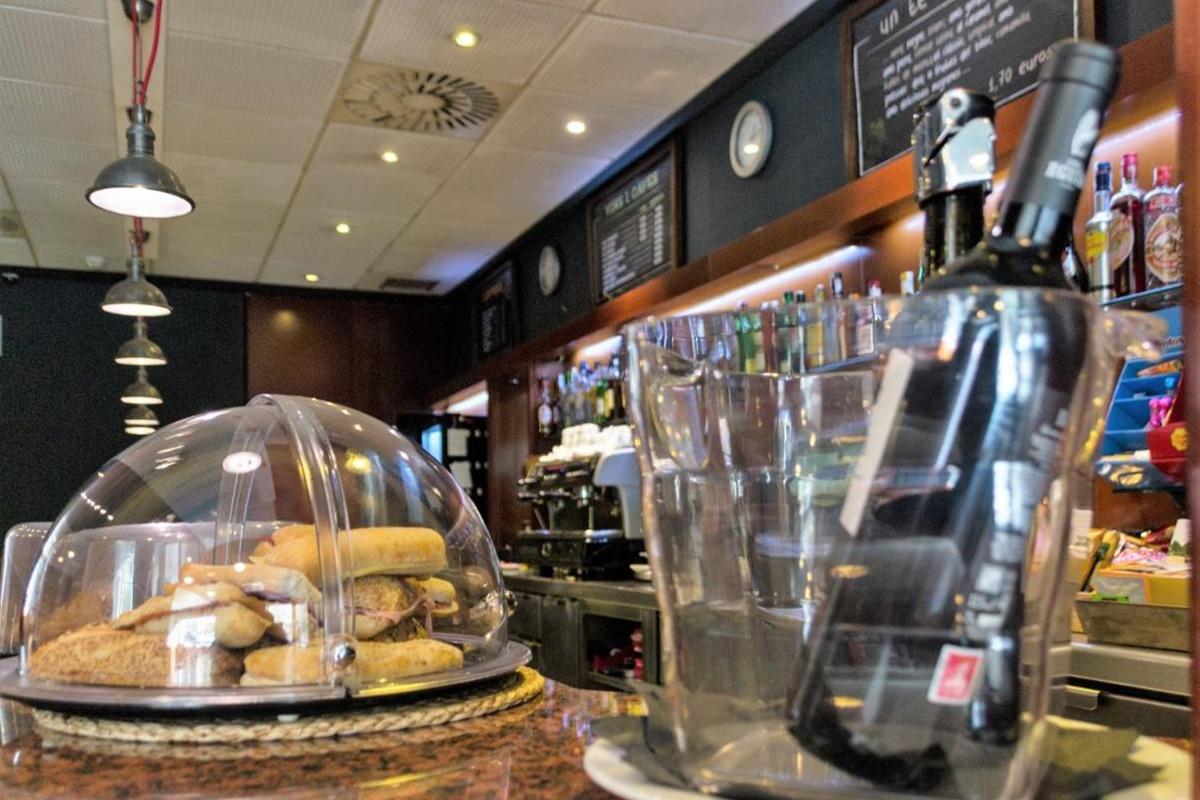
x,y
1126,244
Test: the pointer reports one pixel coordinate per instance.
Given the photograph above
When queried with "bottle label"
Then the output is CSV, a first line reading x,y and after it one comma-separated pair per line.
x,y
864,338
1095,244
545,416
1163,247
1120,239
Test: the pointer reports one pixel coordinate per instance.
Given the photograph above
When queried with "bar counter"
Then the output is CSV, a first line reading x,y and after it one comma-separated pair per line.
x,y
532,751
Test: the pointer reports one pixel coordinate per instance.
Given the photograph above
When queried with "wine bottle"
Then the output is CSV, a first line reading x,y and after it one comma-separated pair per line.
x,y
954,157
937,528
1096,236
1127,234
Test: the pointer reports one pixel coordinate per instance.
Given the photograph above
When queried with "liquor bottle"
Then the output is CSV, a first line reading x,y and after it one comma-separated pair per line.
x,y
814,331
1126,233
908,284
545,410
599,396
954,159
939,525
616,385
747,343
785,333
869,320
840,346
1097,247
1164,240
768,337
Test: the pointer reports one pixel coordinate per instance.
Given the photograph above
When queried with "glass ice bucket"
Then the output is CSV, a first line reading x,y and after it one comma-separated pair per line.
x,y
858,560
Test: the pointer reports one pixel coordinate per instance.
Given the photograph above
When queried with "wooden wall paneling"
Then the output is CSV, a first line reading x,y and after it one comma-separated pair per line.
x,y
508,447
1187,80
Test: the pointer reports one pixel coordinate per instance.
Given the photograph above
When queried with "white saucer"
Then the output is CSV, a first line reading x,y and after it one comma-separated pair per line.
x,y
605,764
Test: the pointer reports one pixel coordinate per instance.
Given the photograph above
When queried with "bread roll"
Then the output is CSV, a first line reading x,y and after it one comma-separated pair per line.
x,y
365,551
97,654
263,581
375,661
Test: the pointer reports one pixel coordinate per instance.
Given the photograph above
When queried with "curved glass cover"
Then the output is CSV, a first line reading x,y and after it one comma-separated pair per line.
x,y
290,547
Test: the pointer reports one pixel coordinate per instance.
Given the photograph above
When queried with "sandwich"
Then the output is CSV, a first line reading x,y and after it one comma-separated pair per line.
x,y
364,551
397,609
98,654
202,614
374,661
290,598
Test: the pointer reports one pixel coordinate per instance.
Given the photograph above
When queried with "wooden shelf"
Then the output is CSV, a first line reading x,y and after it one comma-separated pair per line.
x,y
846,216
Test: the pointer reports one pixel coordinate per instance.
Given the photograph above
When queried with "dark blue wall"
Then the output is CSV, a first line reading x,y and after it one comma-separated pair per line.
x,y
797,74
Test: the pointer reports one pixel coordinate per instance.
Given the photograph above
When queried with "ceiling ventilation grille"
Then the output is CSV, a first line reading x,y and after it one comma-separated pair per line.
x,y
417,100
407,285
11,226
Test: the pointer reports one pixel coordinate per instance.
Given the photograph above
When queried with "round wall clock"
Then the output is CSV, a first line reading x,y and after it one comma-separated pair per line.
x,y
750,139
549,270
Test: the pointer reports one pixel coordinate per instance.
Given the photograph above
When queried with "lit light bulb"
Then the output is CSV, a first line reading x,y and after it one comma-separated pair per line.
x,y
466,38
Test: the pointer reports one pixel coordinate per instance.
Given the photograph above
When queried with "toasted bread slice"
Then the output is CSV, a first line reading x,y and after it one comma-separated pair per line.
x,y
98,654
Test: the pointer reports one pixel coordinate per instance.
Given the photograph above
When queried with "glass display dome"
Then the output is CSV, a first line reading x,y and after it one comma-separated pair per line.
x,y
289,550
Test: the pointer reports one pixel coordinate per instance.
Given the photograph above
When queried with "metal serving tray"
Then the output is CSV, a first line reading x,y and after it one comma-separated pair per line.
x,y
134,701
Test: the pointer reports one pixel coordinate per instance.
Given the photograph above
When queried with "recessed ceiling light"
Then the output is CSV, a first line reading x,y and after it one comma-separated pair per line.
x,y
576,126
465,37
342,227
312,277
389,156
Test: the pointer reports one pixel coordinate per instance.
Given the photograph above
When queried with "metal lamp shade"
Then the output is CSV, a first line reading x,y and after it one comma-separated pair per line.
x,y
140,351
141,417
140,186
141,393
136,297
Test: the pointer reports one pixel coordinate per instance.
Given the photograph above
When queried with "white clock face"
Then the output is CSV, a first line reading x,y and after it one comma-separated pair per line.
x,y
549,270
750,140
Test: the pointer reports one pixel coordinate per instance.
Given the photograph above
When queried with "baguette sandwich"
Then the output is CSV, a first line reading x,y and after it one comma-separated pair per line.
x,y
364,551
374,661
289,597
201,614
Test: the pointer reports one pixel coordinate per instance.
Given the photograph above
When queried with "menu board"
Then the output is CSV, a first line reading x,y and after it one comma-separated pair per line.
x,y
495,311
904,51
633,227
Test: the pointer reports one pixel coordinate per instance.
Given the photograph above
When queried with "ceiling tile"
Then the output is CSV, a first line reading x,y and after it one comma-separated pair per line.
x,y
578,5
92,9
51,48
514,37
360,146
64,112
49,197
462,204
15,253
193,243
225,74
238,217
336,271
376,189
538,120
403,262
5,200
367,231
53,160
246,135
748,20
214,268
328,27
428,232
449,266
83,227
530,180
236,181
637,63
70,255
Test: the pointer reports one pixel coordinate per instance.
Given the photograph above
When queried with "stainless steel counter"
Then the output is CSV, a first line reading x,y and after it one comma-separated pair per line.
x,y
1164,671
634,593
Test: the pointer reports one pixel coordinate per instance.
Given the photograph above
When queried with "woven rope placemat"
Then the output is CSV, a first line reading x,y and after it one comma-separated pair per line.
x,y
521,687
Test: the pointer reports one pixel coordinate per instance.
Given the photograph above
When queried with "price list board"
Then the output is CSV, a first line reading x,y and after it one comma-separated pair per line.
x,y
633,227
905,51
496,320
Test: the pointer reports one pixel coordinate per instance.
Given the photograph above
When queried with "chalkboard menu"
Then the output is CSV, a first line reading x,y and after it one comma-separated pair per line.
x,y
495,311
904,51
633,227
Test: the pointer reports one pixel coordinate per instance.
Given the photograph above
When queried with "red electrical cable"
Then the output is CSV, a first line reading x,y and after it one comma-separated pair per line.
x,y
137,56
153,47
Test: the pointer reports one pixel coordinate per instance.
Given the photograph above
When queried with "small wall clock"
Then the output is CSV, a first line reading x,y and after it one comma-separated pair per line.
x,y
750,139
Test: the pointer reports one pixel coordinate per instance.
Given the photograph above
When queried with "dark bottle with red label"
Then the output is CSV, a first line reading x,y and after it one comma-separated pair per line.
x,y
1126,241
910,671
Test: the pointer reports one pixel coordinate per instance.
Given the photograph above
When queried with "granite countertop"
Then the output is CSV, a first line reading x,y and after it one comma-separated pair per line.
x,y
532,751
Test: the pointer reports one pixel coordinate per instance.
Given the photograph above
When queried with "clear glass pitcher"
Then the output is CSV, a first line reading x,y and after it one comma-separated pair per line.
x,y
857,555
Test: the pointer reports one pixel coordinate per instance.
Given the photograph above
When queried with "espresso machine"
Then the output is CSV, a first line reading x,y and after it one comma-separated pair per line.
x,y
586,501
